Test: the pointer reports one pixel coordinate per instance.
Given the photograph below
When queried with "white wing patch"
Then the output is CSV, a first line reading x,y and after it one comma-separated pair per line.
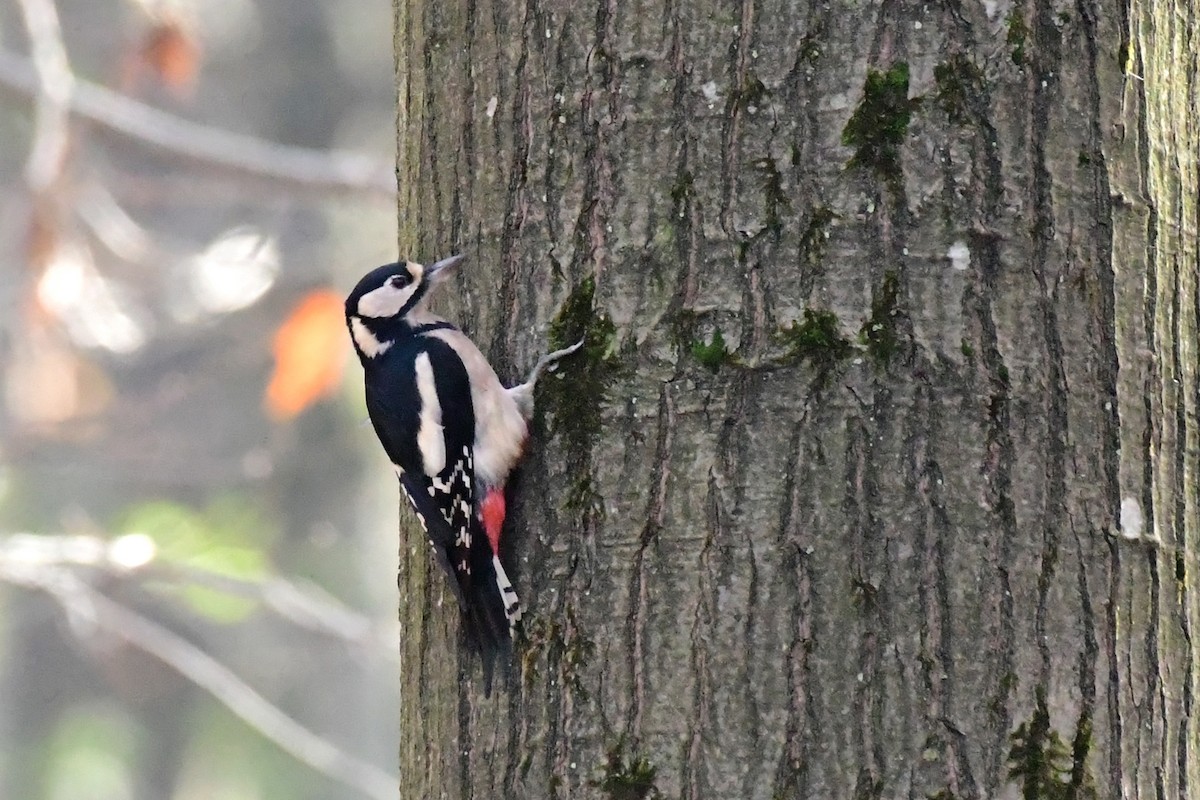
x,y
500,430
431,440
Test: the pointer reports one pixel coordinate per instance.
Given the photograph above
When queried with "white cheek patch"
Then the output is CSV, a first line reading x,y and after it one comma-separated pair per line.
x,y
430,439
386,301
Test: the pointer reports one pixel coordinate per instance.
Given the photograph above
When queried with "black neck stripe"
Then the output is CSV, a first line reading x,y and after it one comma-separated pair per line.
x,y
432,326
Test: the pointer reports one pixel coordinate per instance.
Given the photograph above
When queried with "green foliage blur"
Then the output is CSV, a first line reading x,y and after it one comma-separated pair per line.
x,y
197,593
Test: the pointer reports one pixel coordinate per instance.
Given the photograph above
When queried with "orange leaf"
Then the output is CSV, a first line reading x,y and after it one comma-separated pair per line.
x,y
171,54
310,353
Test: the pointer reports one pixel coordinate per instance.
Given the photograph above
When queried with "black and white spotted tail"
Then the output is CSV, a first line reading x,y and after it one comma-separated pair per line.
x,y
492,610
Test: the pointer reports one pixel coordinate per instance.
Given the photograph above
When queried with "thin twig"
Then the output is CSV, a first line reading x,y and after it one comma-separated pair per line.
x,y
114,228
81,600
306,607
248,155
51,83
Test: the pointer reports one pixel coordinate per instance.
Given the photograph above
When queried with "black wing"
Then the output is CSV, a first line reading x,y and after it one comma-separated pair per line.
x,y
444,506
444,502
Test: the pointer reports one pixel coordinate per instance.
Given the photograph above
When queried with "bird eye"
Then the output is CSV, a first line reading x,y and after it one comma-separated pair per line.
x,y
396,281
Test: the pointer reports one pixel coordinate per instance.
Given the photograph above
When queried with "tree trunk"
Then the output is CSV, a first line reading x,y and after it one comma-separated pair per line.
x,y
878,476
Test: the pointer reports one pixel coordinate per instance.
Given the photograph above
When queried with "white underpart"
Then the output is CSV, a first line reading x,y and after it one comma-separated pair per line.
x,y
367,341
508,595
431,440
500,429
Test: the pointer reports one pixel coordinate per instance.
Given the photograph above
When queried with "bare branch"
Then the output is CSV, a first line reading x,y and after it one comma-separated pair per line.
x,y
83,602
247,155
215,678
135,556
306,607
52,86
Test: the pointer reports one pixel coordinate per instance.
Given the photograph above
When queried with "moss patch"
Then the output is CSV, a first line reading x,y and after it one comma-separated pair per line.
x,y
577,651
810,47
577,399
713,354
878,333
1042,764
683,189
878,126
1018,35
958,81
817,339
537,636
777,204
627,780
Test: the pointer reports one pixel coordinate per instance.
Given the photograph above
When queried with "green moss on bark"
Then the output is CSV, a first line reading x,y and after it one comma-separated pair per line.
x,y
1018,34
713,354
878,126
1040,761
627,780
778,207
878,334
958,80
576,401
817,340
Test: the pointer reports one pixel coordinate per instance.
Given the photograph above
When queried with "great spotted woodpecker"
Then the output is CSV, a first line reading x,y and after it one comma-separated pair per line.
x,y
453,433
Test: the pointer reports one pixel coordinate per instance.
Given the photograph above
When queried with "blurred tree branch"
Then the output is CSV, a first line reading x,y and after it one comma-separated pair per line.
x,y
52,86
247,155
56,566
305,607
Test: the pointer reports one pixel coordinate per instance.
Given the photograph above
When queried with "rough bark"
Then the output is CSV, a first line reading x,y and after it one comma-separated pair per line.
x,y
878,478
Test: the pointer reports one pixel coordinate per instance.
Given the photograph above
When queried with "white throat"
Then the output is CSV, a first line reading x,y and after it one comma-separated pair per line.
x,y
367,342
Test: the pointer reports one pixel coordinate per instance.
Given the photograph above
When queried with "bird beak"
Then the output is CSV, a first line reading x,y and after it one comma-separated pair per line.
x,y
441,270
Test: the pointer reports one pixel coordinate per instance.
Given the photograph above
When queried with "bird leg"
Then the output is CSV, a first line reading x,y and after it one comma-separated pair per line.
x,y
523,393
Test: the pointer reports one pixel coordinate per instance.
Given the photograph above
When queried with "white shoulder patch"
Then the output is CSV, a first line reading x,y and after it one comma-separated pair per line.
x,y
366,341
431,440
500,430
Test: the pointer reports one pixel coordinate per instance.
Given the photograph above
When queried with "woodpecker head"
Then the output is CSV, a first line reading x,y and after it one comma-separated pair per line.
x,y
390,299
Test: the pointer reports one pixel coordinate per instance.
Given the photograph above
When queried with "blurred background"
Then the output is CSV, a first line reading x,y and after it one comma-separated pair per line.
x,y
197,534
